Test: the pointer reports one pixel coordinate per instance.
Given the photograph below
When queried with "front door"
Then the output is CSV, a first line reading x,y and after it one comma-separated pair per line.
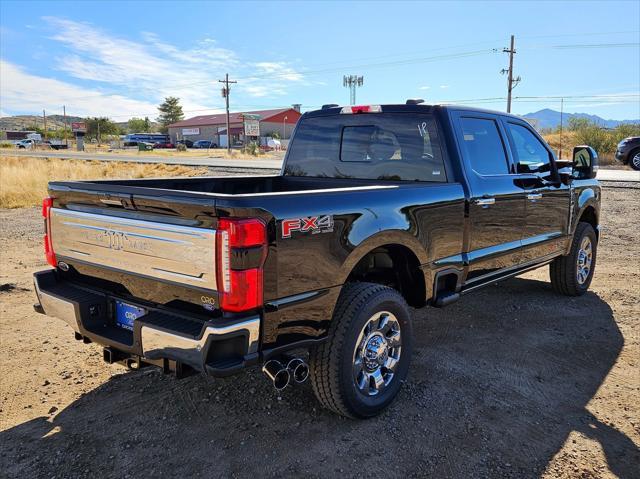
x,y
497,203
547,200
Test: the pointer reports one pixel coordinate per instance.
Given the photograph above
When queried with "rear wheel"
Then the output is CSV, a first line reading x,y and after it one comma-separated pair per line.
x,y
571,275
359,370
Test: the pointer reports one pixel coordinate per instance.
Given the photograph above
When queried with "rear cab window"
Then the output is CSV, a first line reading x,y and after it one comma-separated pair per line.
x,y
376,146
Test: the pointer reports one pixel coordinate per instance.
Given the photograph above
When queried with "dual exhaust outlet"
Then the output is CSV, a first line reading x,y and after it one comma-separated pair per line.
x,y
286,370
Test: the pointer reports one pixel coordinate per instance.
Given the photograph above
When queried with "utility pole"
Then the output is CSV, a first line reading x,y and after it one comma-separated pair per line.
x,y
44,119
561,119
64,112
352,82
511,81
225,95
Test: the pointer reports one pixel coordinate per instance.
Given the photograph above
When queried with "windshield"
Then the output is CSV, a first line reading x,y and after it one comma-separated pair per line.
x,y
400,147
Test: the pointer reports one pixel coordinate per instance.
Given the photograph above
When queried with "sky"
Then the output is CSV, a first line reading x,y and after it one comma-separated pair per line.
x,y
120,59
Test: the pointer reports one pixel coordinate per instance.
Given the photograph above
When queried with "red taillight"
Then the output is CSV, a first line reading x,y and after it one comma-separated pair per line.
x,y
49,254
239,289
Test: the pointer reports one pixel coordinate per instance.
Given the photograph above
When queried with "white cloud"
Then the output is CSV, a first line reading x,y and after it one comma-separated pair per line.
x,y
132,76
426,87
24,92
444,87
152,69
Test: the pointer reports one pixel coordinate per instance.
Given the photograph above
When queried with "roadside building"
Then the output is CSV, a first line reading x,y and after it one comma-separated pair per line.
x,y
15,135
214,127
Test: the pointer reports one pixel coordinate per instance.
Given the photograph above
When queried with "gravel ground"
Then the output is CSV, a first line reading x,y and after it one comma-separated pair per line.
x,y
513,381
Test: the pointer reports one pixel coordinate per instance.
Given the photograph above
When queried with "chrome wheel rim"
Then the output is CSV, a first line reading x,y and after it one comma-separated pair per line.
x,y
585,258
377,353
636,160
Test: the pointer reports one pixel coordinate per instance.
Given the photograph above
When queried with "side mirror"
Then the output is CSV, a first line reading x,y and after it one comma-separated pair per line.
x,y
585,162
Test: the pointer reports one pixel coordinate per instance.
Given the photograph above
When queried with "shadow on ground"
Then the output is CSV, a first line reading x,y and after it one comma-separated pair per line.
x,y
498,382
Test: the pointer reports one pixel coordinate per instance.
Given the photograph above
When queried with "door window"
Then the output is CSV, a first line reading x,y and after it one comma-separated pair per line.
x,y
483,146
531,155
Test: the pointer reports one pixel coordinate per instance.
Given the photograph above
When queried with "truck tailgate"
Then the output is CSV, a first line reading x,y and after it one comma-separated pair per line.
x,y
162,251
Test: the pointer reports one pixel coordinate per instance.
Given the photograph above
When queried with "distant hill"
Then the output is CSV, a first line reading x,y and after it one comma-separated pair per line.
x,y
24,122
551,119
54,122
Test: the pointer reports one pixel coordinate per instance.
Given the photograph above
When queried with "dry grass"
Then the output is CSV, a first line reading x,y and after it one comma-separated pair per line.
x,y
23,180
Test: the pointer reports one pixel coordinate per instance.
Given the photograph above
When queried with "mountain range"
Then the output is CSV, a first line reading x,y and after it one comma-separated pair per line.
x,y
548,118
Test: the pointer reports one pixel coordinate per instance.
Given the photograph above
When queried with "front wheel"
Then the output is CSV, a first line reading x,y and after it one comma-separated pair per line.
x,y
359,370
571,275
635,160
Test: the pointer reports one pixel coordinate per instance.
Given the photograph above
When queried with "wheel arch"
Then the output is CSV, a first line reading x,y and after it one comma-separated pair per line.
x,y
393,258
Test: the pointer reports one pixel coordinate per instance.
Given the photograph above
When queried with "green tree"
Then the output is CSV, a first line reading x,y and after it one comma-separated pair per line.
x,y
577,124
138,125
99,127
170,112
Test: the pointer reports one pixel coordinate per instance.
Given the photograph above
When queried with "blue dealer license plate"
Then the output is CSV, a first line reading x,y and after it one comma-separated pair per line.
x,y
126,314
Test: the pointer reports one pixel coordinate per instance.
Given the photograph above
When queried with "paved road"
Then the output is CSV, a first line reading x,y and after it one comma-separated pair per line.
x,y
618,175
144,158
604,174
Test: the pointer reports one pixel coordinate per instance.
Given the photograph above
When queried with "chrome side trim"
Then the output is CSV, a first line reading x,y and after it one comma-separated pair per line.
x,y
161,344
157,250
57,307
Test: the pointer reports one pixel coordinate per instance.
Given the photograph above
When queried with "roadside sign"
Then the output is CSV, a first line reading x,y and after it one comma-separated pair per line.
x,y
78,126
251,127
190,131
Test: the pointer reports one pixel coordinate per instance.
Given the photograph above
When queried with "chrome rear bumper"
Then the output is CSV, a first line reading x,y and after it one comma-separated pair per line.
x,y
156,336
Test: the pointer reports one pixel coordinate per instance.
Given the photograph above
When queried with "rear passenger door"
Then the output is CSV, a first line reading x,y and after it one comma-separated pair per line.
x,y
497,202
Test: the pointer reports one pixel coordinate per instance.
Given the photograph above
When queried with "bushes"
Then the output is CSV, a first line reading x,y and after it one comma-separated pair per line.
x,y
603,140
582,131
252,149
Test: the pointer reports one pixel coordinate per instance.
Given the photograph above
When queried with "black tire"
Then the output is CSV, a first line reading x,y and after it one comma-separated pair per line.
x,y
332,363
634,164
564,270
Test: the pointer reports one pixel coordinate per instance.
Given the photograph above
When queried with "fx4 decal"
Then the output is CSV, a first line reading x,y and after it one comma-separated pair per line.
x,y
313,224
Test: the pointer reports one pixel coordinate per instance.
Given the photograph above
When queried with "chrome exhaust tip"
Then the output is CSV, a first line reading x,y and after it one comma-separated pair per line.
x,y
278,374
298,369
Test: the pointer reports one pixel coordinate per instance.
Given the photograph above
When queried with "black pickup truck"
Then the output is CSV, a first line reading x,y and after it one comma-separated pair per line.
x,y
312,272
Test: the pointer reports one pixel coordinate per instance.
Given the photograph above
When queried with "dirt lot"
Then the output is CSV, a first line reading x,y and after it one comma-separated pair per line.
x,y
513,381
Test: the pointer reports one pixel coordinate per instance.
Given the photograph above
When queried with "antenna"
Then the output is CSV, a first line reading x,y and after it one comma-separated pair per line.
x,y
352,82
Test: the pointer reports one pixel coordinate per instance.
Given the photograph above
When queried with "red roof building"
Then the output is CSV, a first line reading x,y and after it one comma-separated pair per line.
x,y
214,127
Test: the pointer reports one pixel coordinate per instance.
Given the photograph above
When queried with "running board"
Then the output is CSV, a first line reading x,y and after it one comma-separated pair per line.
x,y
446,299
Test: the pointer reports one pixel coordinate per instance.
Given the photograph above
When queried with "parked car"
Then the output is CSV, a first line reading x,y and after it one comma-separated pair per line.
x,y
204,144
164,144
628,152
187,143
25,144
377,208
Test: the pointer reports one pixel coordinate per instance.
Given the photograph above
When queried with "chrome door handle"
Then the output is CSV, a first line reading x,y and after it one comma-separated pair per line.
x,y
534,196
485,201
